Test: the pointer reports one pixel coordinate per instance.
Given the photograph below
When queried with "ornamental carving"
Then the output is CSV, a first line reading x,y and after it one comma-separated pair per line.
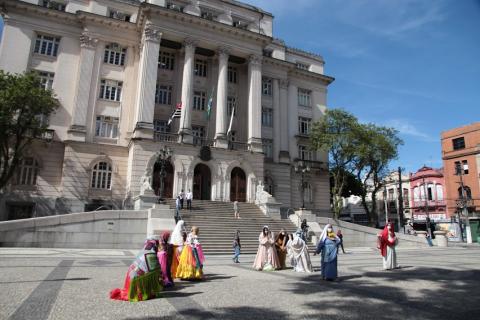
x,y
189,43
152,33
87,41
283,84
223,52
255,60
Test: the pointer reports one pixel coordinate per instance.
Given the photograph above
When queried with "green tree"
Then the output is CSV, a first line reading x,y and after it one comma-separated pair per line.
x,y
335,133
23,105
376,147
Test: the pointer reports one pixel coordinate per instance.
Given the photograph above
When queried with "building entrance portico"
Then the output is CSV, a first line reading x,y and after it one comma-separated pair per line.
x,y
202,182
238,185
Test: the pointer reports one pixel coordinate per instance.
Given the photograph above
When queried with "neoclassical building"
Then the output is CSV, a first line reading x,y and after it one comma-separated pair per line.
x,y
120,68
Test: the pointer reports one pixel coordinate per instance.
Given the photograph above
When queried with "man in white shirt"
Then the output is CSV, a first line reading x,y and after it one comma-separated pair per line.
x,y
189,197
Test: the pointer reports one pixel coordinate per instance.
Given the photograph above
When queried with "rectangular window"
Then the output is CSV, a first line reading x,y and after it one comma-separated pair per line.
x,y
302,66
267,146
166,60
198,133
200,68
106,127
110,90
304,125
232,74
465,166
390,194
46,45
304,153
458,143
267,86
163,94
115,14
304,97
46,79
199,100
55,5
231,103
267,117
114,54
161,126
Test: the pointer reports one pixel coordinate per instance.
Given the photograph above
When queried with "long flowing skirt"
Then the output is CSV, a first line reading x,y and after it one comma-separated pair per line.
x,y
175,261
190,266
282,255
266,257
329,270
139,288
390,260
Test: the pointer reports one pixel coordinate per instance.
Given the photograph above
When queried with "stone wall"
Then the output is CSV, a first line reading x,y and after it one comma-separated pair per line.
x,y
100,229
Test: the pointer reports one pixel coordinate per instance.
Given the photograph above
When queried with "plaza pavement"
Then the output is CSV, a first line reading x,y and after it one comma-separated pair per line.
x,y
433,283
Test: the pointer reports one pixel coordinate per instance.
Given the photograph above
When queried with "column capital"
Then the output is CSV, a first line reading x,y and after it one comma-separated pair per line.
x,y
189,43
88,41
255,60
223,52
284,83
152,33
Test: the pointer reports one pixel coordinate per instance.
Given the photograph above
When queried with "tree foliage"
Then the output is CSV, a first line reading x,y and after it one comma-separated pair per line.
x,y
358,156
24,103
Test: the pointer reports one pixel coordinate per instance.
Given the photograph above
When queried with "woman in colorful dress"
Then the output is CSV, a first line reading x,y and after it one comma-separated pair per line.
x,y
190,266
328,248
165,256
142,281
387,241
266,258
177,241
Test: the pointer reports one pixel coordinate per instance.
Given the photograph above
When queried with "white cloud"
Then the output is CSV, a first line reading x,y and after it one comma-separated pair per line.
x,y
406,127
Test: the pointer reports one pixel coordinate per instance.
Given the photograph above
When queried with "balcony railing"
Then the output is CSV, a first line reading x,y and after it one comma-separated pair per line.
x,y
312,163
165,137
237,145
199,141
430,203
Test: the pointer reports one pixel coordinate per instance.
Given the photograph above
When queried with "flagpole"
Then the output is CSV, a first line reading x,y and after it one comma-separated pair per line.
x,y
209,112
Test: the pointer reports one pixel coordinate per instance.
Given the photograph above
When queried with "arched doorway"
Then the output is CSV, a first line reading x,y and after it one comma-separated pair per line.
x,y
202,182
168,182
238,185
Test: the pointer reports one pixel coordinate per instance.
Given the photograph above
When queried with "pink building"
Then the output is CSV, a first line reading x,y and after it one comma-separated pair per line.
x,y
427,194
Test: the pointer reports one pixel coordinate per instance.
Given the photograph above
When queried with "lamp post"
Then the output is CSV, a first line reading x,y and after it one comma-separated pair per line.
x,y
463,202
162,161
302,168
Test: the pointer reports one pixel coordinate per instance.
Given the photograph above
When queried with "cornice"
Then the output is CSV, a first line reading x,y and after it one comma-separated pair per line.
x,y
294,71
24,7
96,19
147,9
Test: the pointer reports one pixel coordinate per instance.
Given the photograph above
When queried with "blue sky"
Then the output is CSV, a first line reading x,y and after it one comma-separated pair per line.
x,y
413,65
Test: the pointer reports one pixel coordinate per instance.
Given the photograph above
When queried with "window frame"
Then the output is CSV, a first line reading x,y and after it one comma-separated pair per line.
x,y
267,148
304,97
27,173
304,125
114,54
106,127
458,141
106,92
199,100
267,117
46,79
166,60
304,150
232,74
46,45
163,94
267,86
101,178
200,69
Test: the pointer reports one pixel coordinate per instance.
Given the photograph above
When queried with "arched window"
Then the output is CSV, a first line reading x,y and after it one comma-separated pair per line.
x,y
307,192
467,192
268,185
27,172
102,176
439,192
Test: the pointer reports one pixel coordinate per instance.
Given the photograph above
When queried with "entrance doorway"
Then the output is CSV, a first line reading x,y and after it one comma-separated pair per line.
x,y
238,185
168,182
202,182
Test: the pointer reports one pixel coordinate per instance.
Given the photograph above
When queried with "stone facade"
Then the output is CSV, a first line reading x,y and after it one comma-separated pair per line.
x,y
120,68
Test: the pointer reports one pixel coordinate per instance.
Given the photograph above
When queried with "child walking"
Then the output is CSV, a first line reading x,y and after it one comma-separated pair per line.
x,y
236,247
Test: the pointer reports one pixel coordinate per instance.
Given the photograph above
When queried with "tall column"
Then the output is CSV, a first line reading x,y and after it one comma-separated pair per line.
x,y
255,104
147,81
185,130
77,130
284,155
276,120
292,113
222,91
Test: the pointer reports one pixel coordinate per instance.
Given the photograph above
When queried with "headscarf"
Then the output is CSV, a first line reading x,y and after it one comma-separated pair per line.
x,y
151,244
384,238
176,238
326,235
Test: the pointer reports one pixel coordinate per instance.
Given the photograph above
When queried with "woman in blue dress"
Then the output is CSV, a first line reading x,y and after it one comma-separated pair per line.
x,y
328,248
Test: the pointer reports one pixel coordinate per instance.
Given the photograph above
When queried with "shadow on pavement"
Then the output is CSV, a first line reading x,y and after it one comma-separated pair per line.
x,y
69,279
441,294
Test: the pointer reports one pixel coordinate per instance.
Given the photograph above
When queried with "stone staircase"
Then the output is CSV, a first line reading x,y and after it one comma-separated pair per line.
x,y
217,225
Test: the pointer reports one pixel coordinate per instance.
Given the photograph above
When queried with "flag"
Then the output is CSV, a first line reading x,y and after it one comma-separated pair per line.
x,y
177,113
209,104
231,121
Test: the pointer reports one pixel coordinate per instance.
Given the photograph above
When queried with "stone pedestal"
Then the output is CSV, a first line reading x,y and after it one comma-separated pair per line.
x,y
160,219
145,201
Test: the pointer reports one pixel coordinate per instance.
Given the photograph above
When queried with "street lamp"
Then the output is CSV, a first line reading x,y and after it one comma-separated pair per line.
x,y
163,159
302,168
464,201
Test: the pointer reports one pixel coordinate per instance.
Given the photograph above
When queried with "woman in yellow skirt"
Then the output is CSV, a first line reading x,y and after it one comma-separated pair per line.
x,y
190,266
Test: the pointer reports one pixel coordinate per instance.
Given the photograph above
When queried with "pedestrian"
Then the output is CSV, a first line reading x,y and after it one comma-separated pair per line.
x,y
387,241
165,258
177,240
235,210
182,197
177,209
266,258
340,235
281,247
190,265
299,254
189,197
304,226
328,248
236,247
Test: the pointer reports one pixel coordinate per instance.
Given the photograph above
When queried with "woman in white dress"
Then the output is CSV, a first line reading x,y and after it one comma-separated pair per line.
x,y
298,250
387,241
